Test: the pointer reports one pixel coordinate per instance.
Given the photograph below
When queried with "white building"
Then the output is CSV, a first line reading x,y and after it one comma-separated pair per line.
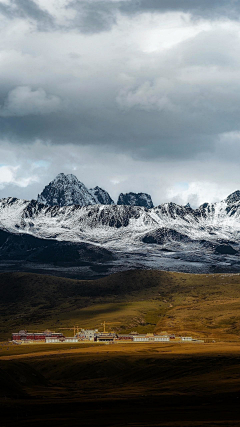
x,y
150,338
140,338
88,334
186,338
71,339
163,338
50,340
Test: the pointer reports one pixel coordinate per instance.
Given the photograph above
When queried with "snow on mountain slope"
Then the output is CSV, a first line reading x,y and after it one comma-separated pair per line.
x,y
66,190
123,226
11,210
98,223
135,199
101,196
233,198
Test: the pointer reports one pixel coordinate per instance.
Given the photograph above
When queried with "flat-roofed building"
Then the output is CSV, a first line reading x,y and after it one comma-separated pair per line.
x,y
104,337
161,338
150,338
186,338
50,340
140,338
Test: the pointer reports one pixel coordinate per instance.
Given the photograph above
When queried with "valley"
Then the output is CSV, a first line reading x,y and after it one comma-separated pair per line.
x,y
202,306
156,384
75,258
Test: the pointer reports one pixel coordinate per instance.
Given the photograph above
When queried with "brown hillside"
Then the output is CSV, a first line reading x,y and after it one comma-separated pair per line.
x,y
143,300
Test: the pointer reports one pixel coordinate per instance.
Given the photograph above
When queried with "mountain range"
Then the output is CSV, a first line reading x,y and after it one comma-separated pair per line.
x,y
67,190
168,236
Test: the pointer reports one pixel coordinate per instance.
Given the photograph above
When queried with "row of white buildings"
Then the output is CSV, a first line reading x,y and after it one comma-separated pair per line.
x,y
94,335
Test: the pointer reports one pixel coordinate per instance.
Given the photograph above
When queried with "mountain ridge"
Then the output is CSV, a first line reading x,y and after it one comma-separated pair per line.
x,y
19,215
67,190
169,236
135,199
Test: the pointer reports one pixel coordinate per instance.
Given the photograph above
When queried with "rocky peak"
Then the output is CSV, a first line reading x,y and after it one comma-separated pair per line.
x,y
101,196
233,198
66,190
135,199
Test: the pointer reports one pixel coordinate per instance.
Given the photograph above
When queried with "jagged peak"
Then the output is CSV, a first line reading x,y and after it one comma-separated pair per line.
x,y
233,197
135,199
66,190
101,196
66,177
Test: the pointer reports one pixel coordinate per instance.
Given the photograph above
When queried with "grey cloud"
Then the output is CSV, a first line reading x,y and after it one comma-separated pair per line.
x,y
141,135
24,101
174,106
203,7
5,10
30,10
96,16
103,106
169,104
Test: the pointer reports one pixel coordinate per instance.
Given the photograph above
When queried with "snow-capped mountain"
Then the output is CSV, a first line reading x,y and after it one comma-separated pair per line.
x,y
101,196
106,224
66,190
233,198
135,199
167,236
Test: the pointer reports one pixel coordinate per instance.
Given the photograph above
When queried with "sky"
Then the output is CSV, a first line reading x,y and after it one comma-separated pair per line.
x,y
129,95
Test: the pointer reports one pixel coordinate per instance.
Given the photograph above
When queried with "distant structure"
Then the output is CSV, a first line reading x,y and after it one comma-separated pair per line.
x,y
52,340
36,336
93,335
88,334
151,338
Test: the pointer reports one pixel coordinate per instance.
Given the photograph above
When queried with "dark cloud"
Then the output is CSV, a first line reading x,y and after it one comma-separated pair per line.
x,y
203,8
174,106
5,10
94,16
30,10
99,15
106,75
141,135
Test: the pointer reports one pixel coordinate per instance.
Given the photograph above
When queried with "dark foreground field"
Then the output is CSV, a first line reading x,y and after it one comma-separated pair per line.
x,y
121,385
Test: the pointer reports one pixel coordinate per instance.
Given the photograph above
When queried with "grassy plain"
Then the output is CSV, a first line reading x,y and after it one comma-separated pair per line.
x,y
206,306
170,384
121,385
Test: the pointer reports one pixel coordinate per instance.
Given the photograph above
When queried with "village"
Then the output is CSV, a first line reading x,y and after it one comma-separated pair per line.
x,y
96,336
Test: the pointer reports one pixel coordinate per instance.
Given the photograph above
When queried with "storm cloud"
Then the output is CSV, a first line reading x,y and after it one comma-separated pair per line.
x,y
153,83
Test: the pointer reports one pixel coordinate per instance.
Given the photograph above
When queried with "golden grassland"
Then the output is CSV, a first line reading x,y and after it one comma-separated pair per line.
x,y
166,384
205,306
131,384
10,351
